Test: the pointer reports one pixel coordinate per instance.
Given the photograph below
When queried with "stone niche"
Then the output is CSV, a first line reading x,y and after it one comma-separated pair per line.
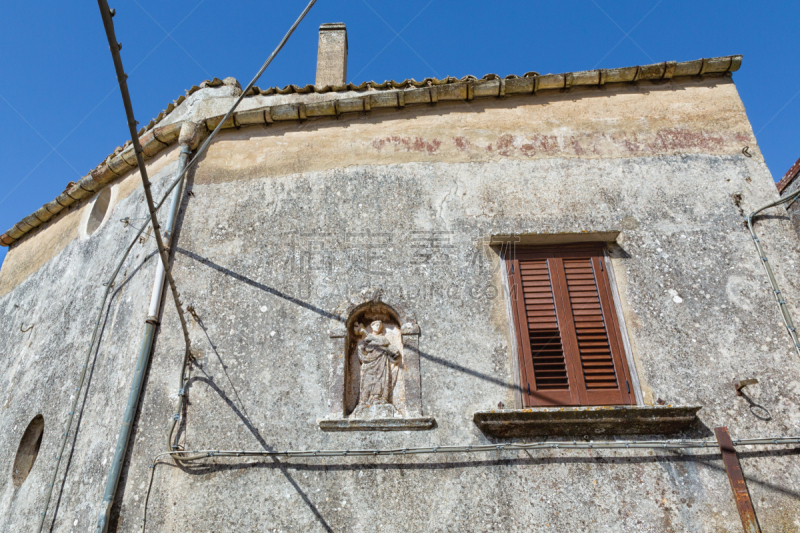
x,y
375,378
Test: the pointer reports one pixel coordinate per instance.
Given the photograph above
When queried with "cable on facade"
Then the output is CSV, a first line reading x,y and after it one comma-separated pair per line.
x,y
509,446
471,448
787,318
182,383
110,282
108,286
134,397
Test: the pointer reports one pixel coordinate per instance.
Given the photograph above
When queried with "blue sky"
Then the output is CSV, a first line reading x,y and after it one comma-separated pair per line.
x,y
62,114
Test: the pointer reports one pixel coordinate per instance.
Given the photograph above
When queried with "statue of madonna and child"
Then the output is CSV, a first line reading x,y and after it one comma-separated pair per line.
x,y
380,366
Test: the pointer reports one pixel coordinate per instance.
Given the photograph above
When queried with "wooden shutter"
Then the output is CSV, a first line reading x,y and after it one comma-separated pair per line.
x,y
567,331
547,376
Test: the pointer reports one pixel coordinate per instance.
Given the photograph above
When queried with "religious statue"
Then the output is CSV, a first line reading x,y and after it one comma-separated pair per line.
x,y
380,362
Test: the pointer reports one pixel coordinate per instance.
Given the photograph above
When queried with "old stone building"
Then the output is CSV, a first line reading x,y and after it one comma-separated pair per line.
x,y
412,266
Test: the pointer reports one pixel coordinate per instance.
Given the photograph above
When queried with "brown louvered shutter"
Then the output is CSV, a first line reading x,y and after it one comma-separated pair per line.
x,y
547,375
569,346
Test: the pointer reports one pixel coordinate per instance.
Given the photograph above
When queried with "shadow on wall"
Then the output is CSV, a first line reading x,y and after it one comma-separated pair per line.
x,y
326,314
698,431
88,384
669,457
241,412
274,462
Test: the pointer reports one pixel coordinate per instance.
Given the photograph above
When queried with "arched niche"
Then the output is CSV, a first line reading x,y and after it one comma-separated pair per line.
x,y
351,381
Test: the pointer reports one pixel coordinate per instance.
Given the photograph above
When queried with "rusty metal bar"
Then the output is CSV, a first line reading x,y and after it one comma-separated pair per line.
x,y
738,485
133,398
739,385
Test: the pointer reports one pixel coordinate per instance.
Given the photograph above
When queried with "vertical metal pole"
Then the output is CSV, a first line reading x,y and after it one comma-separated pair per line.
x,y
144,352
740,493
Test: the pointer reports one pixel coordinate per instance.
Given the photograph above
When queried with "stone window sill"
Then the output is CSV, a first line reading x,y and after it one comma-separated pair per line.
x,y
376,424
591,421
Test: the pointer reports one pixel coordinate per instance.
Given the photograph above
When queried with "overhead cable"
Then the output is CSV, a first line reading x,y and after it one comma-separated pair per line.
x,y
197,455
776,291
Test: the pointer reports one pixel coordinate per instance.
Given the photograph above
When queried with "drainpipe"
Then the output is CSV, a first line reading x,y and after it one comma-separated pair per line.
x,y
189,132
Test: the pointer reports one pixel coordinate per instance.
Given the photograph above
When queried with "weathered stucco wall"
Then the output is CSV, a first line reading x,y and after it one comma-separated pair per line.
x,y
604,122
654,118
285,223
31,253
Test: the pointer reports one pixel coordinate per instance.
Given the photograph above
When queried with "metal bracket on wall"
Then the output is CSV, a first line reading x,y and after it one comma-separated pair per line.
x,y
739,385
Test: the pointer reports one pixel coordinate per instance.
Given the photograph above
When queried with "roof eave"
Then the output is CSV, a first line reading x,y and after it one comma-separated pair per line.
x,y
154,138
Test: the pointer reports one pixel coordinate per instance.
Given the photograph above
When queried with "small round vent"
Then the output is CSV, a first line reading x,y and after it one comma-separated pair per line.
x,y
28,450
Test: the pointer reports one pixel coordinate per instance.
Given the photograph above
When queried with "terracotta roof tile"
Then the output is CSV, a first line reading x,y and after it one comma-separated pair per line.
x,y
388,94
789,177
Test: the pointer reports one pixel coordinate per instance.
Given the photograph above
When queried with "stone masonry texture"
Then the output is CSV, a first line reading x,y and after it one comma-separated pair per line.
x,y
280,225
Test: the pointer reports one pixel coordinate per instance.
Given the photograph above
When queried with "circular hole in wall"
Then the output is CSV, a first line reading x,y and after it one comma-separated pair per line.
x,y
99,210
28,450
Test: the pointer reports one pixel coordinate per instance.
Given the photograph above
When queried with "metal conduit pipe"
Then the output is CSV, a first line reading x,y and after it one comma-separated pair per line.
x,y
787,318
145,350
122,442
144,353
158,282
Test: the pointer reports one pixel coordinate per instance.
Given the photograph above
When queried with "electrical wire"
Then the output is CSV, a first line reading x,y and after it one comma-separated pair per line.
x,y
108,285
470,448
787,318
82,378
511,446
187,357
207,142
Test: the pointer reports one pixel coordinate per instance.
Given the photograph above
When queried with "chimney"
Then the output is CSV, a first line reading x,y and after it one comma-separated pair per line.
x,y
332,55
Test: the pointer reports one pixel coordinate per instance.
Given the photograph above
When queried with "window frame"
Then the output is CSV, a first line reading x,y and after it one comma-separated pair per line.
x,y
578,394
